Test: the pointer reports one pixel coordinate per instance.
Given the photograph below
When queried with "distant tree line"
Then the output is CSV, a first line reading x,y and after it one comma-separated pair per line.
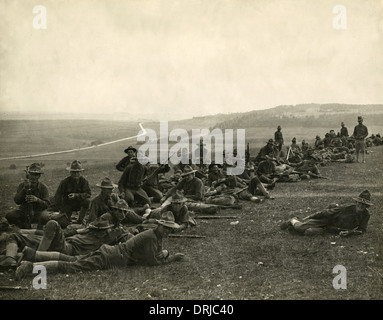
x,y
325,120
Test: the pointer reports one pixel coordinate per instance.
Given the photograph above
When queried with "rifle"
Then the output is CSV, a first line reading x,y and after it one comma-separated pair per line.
x,y
215,217
157,169
13,288
317,176
185,236
240,190
288,153
29,205
221,206
247,154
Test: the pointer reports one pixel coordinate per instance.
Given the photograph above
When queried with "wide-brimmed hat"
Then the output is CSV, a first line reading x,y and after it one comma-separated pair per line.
x,y
178,198
121,204
167,220
364,197
130,148
271,141
294,139
360,118
100,225
187,170
279,127
34,168
106,183
75,166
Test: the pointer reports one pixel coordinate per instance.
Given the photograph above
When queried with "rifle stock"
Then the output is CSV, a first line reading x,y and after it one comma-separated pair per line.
x,y
29,205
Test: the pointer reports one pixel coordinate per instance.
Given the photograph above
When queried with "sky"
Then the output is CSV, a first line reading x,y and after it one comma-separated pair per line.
x,y
185,58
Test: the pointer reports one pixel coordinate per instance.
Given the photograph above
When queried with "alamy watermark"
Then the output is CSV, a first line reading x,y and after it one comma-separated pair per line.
x,y
201,153
40,281
340,280
339,22
40,19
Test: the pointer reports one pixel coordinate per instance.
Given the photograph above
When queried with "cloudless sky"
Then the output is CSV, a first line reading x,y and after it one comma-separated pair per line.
x,y
188,57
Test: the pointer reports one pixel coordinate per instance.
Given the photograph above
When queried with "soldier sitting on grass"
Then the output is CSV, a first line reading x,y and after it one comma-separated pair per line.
x,y
32,196
73,193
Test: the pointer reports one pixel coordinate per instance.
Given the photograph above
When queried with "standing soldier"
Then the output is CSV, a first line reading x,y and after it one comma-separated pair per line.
x,y
278,137
360,133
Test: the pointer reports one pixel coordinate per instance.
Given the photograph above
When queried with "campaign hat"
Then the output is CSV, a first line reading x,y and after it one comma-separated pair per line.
x,y
130,148
364,197
75,166
167,220
106,183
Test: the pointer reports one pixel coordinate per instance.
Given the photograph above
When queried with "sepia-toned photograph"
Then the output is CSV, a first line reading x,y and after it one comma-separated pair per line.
x,y
191,154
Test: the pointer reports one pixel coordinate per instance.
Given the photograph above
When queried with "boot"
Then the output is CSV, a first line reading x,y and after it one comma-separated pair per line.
x,y
49,234
25,268
255,199
82,215
263,190
28,254
54,266
11,256
52,256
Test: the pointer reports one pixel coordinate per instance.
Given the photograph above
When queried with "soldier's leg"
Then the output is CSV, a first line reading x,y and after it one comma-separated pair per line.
x,y
11,249
83,210
255,184
18,217
53,238
132,218
203,207
26,268
308,227
42,218
129,197
52,255
142,197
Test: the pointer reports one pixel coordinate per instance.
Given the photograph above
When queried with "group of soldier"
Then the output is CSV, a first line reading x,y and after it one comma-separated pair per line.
x,y
125,223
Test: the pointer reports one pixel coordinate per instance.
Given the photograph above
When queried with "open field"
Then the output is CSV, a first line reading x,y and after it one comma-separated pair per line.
x,y
251,260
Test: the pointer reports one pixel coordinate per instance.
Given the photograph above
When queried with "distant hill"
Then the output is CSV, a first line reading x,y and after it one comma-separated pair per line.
x,y
306,115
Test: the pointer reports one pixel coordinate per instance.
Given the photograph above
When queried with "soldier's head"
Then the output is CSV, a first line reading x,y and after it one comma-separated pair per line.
x,y
178,201
34,172
75,169
119,210
214,167
188,173
167,223
131,151
363,201
106,186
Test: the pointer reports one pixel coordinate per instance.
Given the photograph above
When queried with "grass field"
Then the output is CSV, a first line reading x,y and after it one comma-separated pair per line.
x,y
250,260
